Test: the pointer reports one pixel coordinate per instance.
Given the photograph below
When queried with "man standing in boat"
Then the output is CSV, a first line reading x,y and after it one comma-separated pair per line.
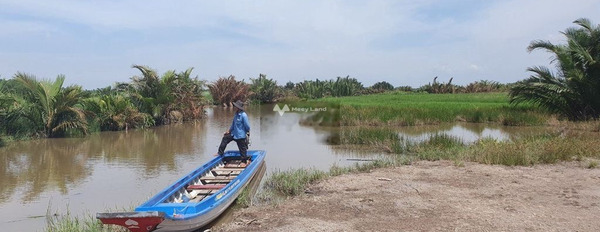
x,y
239,131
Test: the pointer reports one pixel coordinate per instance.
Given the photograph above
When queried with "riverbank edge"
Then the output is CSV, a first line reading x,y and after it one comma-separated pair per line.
x,y
293,213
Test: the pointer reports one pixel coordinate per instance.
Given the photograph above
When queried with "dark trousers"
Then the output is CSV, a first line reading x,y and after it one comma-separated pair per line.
x,y
241,143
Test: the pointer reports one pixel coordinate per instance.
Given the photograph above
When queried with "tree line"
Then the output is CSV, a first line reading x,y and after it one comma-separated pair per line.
x,y
30,107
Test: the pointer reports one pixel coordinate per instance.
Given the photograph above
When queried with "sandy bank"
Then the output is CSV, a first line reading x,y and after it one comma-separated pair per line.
x,y
439,196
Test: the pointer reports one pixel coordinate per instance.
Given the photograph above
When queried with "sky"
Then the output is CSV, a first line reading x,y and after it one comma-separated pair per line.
x,y
404,42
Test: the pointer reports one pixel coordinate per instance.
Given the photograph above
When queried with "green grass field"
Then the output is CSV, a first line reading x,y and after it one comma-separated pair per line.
x,y
399,108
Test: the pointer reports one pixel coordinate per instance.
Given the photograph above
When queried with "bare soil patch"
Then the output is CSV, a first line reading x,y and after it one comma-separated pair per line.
x,y
439,196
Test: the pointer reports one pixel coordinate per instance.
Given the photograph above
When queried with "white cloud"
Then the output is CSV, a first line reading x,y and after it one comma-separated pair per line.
x,y
289,40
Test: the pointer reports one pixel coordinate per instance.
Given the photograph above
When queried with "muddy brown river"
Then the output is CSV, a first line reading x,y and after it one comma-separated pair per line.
x,y
120,170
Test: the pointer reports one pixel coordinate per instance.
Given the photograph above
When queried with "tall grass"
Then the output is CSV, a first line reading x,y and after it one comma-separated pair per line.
x,y
540,149
533,150
86,222
383,139
388,140
244,200
399,108
439,147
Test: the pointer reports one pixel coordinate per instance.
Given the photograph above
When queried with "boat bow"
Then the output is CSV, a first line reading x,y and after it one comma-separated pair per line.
x,y
134,221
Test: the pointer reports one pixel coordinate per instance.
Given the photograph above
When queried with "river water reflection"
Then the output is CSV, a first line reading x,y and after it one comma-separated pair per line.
x,y
470,132
119,170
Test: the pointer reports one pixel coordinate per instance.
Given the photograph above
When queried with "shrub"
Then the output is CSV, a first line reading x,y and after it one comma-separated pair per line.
x,y
405,88
484,86
227,90
383,85
437,87
293,182
289,85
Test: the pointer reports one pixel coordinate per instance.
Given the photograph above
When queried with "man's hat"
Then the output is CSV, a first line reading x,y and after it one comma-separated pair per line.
x,y
239,104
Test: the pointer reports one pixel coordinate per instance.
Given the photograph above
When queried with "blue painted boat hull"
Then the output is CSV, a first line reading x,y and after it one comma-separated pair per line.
x,y
181,214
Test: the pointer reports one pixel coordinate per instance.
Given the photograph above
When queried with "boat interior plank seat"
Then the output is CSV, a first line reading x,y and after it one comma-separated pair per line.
x,y
225,172
200,197
200,192
228,169
236,164
217,178
205,186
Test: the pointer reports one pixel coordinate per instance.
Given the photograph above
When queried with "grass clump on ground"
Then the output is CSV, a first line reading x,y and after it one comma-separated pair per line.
x,y
293,182
533,150
56,222
368,166
244,200
88,223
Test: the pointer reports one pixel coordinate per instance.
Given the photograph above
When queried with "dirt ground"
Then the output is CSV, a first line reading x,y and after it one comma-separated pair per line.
x,y
439,196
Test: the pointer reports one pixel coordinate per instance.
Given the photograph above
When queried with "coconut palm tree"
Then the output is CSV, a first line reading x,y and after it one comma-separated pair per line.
x,y
47,107
264,90
151,93
4,107
4,104
574,89
345,86
170,98
188,95
116,112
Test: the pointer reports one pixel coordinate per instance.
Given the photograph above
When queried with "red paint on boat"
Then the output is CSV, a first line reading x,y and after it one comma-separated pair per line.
x,y
134,222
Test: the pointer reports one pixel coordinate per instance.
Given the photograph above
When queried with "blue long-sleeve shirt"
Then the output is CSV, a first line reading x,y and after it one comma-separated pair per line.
x,y
240,125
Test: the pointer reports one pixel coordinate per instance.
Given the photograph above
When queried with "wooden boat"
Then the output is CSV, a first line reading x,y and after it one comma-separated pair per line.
x,y
194,200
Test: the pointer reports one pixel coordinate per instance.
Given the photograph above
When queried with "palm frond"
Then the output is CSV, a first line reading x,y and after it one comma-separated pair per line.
x,y
585,23
574,90
541,44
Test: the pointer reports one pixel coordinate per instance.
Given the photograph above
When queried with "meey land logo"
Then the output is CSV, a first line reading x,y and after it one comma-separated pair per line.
x,y
286,108
281,111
